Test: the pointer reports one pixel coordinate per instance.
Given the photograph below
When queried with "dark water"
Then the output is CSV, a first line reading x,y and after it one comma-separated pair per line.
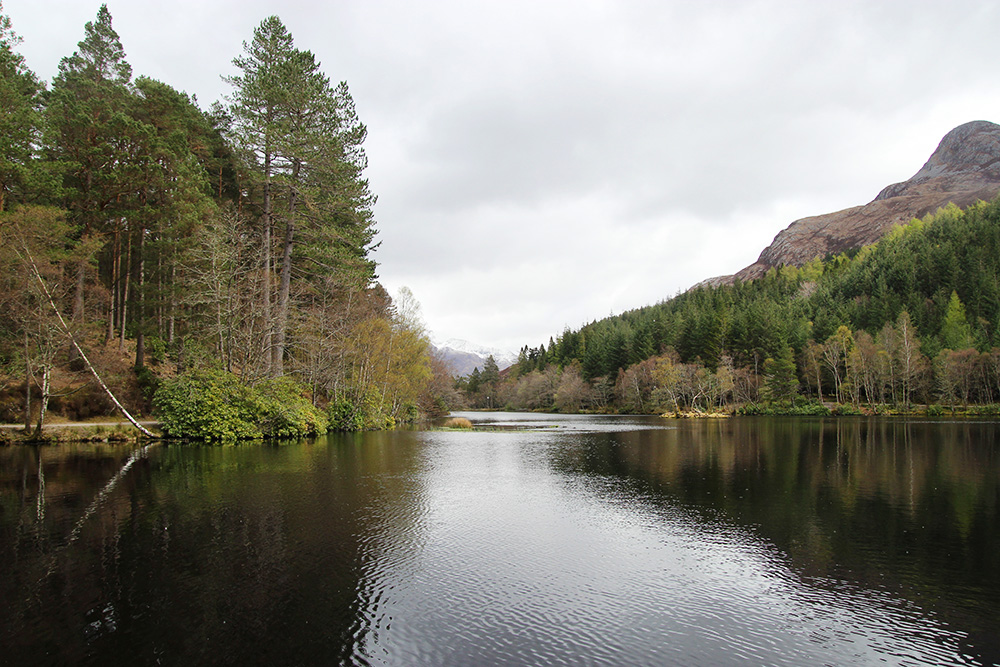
x,y
581,541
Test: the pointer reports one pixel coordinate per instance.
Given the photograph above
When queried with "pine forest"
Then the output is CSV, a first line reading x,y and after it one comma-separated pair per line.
x,y
913,320
211,266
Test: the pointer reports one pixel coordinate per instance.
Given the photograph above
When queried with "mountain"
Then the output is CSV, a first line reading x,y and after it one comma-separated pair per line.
x,y
964,169
463,357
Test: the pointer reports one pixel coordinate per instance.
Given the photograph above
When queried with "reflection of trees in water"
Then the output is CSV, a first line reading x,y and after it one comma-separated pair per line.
x,y
213,553
905,506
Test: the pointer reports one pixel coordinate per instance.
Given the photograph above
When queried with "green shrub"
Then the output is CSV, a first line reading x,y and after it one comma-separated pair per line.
x,y
344,416
990,409
281,410
811,409
147,381
365,413
935,410
205,405
215,405
156,349
411,414
785,408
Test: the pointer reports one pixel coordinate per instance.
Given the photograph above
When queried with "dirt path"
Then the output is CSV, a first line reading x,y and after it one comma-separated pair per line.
x,y
147,424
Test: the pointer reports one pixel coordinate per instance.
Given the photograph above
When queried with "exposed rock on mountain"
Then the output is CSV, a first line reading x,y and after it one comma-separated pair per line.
x,y
964,169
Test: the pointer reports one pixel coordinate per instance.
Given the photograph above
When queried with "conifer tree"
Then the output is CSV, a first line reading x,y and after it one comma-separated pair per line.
x,y
956,334
19,122
780,380
301,141
88,131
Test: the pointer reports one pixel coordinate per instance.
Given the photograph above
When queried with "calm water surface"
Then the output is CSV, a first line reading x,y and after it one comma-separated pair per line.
x,y
542,540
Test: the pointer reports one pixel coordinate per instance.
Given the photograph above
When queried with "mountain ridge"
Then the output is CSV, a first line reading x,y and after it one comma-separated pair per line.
x,y
463,357
963,169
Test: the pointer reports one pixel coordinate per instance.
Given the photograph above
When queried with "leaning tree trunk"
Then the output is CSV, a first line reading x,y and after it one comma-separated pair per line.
x,y
79,350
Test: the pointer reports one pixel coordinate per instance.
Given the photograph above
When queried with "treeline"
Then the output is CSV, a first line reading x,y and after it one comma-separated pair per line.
x,y
914,318
176,241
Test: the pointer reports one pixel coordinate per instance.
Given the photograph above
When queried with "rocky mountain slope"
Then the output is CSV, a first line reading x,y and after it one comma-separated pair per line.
x,y
964,169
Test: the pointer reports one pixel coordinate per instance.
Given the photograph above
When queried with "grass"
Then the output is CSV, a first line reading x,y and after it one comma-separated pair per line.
x,y
56,434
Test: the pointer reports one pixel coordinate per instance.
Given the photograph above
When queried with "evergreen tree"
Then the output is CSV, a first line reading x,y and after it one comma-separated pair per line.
x,y
19,122
257,131
301,139
89,133
491,372
475,381
956,334
173,201
780,380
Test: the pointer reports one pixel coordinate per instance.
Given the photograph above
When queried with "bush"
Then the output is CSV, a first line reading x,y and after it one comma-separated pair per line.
x,y
147,381
205,405
410,414
812,409
215,405
343,416
991,409
156,349
283,412
785,408
365,413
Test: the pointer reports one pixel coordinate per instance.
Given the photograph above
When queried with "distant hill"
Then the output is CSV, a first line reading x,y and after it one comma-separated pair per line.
x,y
463,357
964,169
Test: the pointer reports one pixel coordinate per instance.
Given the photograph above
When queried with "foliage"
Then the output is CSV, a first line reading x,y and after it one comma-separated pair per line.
x,y
913,317
364,412
780,381
786,408
845,410
281,409
215,405
233,243
343,415
206,405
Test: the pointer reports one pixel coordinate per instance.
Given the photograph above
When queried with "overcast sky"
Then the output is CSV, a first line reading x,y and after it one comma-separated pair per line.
x,y
543,164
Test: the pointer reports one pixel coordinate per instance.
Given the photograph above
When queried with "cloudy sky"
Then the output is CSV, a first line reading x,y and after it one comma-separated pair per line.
x,y
540,164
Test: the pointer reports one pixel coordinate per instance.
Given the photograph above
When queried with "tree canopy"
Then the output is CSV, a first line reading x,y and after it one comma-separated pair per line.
x,y
235,240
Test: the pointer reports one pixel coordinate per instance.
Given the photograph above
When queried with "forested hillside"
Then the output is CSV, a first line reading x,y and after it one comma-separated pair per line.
x,y
195,253
914,318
